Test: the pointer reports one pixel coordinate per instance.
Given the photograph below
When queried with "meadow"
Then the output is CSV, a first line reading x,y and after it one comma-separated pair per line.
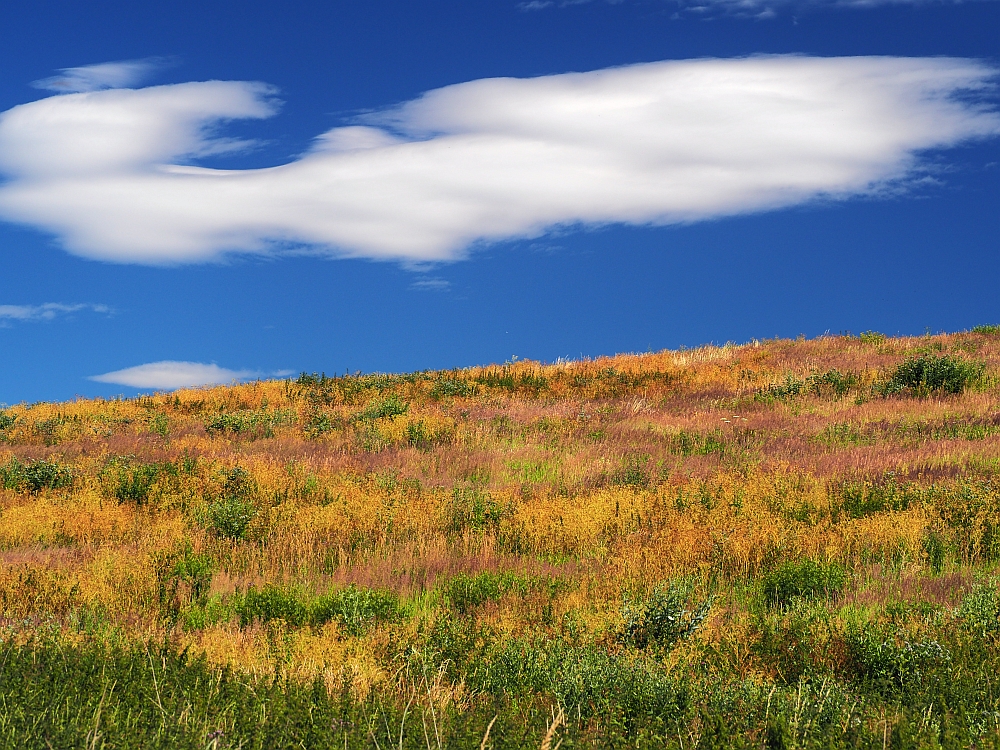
x,y
780,544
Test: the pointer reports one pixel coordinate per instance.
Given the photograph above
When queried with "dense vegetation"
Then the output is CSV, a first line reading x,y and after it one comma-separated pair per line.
x,y
784,544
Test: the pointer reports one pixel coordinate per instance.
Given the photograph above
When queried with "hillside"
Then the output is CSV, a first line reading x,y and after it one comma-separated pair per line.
x,y
783,543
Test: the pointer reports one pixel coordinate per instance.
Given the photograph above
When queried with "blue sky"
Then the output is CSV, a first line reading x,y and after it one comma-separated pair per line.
x,y
714,172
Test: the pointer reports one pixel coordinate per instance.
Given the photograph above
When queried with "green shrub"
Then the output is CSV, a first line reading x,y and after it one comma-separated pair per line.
x,y
633,472
980,609
392,406
873,338
472,508
130,483
802,579
990,330
270,603
464,592
6,421
250,422
452,388
665,615
230,517
357,609
928,374
35,476
891,666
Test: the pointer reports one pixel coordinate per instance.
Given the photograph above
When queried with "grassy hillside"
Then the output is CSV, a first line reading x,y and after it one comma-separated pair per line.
x,y
780,544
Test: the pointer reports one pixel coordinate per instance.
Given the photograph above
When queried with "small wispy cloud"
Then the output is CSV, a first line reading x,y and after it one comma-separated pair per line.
x,y
109,75
46,311
760,9
170,375
431,285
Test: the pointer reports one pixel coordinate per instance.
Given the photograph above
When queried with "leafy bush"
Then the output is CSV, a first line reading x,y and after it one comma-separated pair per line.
x,y
392,406
6,420
873,338
890,666
803,579
230,517
357,609
452,388
270,603
990,330
35,476
927,374
128,482
472,509
980,609
664,616
465,592
249,422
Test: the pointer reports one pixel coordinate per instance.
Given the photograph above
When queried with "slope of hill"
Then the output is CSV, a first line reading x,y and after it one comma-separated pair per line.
x,y
784,544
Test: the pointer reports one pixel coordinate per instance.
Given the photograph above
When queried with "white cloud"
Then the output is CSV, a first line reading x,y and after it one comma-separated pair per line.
x,y
168,376
753,8
46,311
483,161
109,75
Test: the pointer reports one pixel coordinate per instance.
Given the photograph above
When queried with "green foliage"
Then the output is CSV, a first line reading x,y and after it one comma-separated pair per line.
x,y
270,603
989,330
873,338
893,666
863,498
802,579
980,609
633,472
664,616
159,424
830,383
319,423
926,374
35,476
472,508
387,407
452,388
355,609
130,482
464,592
252,423
6,421
230,516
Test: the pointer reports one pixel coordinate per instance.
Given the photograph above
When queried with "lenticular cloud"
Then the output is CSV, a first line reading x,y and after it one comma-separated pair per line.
x,y
109,171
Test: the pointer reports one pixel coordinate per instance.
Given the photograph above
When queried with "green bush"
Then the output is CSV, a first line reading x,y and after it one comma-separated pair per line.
x,y
130,483
802,579
35,476
980,609
891,666
452,388
464,592
664,616
357,609
392,406
270,603
928,374
252,423
230,517
991,330
472,508
6,420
